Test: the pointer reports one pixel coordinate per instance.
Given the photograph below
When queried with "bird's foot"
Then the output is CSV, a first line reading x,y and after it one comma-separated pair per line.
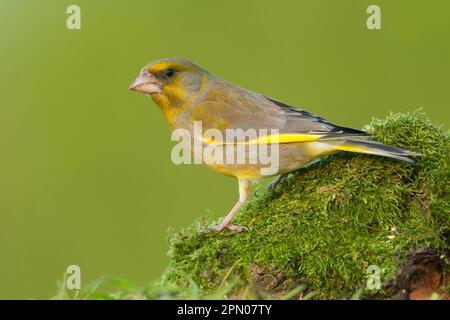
x,y
231,227
274,184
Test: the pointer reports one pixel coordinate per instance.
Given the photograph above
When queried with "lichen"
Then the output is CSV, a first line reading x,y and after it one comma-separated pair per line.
x,y
329,221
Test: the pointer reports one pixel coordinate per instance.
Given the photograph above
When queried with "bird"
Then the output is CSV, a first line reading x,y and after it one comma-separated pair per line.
x,y
187,93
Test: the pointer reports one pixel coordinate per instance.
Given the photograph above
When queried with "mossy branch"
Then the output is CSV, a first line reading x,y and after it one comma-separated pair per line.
x,y
329,222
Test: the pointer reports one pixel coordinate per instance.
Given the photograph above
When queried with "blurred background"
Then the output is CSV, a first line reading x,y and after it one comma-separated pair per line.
x,y
85,170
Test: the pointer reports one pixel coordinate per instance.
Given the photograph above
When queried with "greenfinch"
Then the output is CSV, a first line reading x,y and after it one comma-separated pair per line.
x,y
187,94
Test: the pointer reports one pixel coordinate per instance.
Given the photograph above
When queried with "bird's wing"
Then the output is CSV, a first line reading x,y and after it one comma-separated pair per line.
x,y
300,121
239,108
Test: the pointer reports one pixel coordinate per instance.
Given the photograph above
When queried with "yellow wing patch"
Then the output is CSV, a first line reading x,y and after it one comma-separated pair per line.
x,y
276,138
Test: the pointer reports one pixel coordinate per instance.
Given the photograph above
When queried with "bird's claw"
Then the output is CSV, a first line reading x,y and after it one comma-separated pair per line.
x,y
272,186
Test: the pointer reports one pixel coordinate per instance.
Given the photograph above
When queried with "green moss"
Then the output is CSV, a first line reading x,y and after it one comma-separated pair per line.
x,y
328,222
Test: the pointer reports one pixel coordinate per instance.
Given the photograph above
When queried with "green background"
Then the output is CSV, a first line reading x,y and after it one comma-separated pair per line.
x,y
85,170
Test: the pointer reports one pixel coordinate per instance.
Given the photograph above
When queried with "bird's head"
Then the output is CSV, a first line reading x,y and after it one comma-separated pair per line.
x,y
171,82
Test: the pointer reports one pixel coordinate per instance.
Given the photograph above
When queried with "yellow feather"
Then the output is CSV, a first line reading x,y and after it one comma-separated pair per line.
x,y
277,138
355,148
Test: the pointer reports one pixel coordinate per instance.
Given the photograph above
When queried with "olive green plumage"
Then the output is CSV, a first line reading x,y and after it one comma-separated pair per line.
x,y
187,94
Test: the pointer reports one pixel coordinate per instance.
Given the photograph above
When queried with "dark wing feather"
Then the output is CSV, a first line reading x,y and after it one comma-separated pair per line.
x,y
298,120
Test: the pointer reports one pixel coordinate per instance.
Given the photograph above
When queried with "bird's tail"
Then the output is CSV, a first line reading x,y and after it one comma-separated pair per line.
x,y
377,148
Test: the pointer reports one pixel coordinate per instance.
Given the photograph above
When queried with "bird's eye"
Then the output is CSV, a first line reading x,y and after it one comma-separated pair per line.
x,y
169,72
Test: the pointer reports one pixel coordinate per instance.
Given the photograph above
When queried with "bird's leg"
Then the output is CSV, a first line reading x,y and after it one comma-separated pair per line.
x,y
274,184
244,193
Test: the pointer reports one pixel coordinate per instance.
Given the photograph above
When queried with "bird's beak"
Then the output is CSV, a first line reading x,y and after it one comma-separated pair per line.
x,y
146,83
